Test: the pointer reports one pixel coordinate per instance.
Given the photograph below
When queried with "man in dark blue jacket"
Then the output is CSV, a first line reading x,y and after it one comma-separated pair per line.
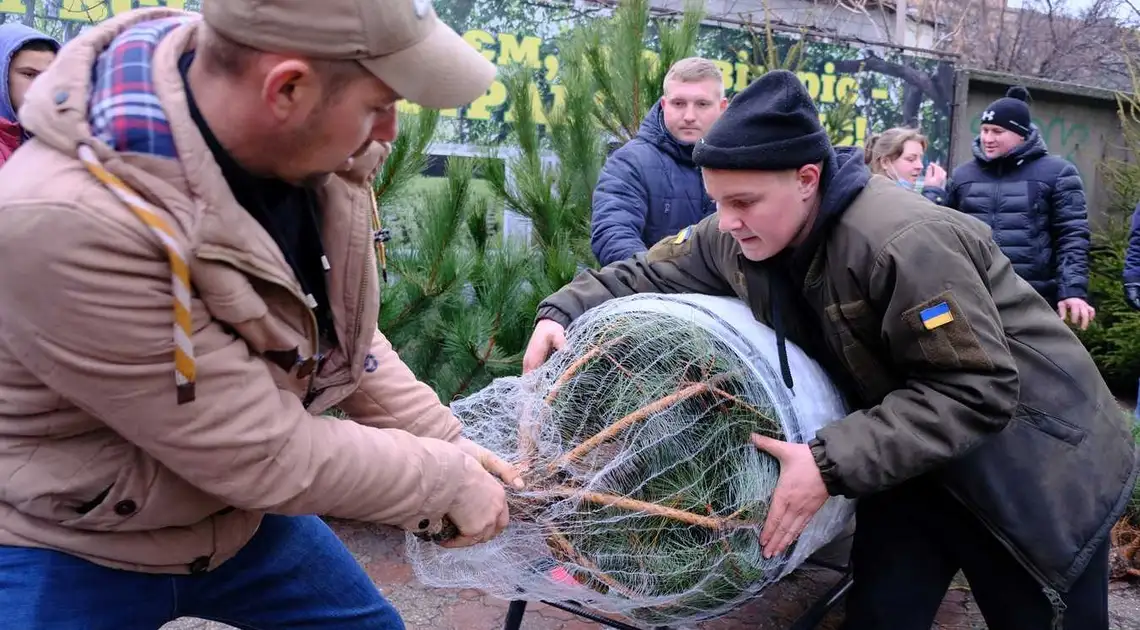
x,y
650,188
1132,263
1132,275
1033,201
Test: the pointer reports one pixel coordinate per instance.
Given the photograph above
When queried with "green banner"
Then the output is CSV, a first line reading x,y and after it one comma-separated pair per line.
x,y
890,88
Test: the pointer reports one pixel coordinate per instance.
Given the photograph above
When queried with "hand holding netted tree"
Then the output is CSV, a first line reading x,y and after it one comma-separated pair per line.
x,y
645,496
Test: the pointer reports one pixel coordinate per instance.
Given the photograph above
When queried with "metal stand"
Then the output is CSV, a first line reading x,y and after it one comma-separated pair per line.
x,y
807,621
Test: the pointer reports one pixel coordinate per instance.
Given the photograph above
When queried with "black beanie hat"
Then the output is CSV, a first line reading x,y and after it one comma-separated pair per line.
x,y
1010,112
772,125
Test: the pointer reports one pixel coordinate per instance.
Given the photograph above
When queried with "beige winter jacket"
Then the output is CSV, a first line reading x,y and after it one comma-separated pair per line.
x,y
97,458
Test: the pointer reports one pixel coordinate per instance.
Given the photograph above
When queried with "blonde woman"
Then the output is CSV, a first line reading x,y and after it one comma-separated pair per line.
x,y
897,153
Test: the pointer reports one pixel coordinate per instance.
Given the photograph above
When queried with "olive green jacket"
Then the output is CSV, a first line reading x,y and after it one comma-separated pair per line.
x,y
956,367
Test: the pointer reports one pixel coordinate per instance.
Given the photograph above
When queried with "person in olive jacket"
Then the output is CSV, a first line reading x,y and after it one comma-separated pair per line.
x,y
1033,201
983,439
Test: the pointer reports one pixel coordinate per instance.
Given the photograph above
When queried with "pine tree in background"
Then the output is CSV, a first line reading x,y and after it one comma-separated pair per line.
x,y
458,308
460,305
1113,339
552,187
839,119
408,157
629,80
553,177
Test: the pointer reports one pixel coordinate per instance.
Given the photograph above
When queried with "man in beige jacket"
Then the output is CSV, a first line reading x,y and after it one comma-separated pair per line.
x,y
189,286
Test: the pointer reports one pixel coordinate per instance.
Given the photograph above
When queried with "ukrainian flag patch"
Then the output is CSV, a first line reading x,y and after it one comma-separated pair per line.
x,y
935,316
683,235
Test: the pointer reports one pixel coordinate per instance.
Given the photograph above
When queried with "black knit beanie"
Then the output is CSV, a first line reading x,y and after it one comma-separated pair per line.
x,y
772,125
1010,112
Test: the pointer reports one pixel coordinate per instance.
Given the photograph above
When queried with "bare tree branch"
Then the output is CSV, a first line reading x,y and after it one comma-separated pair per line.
x,y
1044,38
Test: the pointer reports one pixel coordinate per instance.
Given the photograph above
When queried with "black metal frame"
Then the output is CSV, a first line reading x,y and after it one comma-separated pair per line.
x,y
807,621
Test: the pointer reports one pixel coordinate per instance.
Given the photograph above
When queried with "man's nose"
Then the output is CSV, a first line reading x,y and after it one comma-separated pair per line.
x,y
725,222
386,128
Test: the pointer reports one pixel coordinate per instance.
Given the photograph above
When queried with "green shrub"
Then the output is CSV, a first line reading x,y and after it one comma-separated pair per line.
x,y
1114,337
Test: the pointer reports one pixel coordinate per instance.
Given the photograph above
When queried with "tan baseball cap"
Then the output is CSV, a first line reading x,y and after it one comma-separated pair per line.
x,y
402,42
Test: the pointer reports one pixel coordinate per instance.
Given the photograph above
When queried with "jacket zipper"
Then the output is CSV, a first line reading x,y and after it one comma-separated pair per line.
x,y
995,212
357,323
207,252
1050,593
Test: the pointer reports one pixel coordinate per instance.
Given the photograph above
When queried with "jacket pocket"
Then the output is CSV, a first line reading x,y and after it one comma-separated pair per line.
x,y
1051,425
86,507
946,339
852,324
108,510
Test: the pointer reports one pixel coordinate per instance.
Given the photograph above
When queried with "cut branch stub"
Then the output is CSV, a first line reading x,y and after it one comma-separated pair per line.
x,y
644,507
578,365
637,416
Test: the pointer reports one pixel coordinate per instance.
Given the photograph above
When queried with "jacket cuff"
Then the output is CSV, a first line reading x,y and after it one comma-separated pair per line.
x,y
826,468
1065,293
935,194
553,313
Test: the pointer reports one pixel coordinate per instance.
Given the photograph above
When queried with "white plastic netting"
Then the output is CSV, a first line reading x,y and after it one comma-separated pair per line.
x,y
645,496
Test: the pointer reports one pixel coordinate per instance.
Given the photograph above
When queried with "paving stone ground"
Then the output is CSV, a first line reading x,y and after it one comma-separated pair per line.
x,y
380,551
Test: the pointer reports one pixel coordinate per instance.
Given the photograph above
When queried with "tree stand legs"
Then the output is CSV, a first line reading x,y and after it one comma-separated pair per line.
x,y
807,621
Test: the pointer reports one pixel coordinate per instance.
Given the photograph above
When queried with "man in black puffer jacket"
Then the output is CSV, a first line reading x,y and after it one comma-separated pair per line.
x,y
1033,201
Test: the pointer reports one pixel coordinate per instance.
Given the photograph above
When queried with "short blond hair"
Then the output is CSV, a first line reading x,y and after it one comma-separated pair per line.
x,y
694,70
888,146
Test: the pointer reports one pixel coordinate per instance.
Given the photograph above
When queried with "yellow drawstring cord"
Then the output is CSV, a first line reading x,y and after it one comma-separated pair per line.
x,y
185,369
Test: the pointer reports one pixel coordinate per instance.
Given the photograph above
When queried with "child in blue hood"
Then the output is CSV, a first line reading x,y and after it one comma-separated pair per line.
x,y
24,54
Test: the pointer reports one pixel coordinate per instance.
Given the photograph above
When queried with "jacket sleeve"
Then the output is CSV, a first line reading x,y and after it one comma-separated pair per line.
x,y
690,262
936,195
619,207
90,316
1070,227
391,397
953,192
1132,254
961,382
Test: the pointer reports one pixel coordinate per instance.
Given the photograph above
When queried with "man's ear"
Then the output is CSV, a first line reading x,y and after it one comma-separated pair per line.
x,y
723,104
808,177
291,90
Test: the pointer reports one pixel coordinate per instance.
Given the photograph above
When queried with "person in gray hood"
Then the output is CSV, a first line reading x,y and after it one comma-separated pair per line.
x,y
24,54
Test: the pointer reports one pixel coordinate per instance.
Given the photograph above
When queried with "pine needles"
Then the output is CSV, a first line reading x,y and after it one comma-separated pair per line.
x,y
459,309
653,494
644,494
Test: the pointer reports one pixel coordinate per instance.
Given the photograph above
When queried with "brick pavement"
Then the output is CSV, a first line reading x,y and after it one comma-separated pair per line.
x,y
380,550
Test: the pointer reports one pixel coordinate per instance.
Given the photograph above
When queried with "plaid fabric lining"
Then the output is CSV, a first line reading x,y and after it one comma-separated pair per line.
x,y
125,112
